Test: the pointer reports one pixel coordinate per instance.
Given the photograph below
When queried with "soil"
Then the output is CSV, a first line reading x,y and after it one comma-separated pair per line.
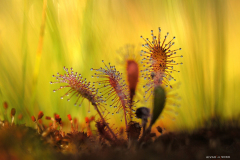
x,y
20,142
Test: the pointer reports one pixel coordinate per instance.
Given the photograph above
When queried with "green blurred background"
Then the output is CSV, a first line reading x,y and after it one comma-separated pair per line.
x,y
80,33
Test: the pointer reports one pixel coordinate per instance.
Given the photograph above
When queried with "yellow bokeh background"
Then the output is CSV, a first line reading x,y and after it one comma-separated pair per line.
x,y
80,34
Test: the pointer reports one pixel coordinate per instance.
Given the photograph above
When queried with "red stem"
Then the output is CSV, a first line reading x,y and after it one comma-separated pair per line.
x,y
124,109
115,137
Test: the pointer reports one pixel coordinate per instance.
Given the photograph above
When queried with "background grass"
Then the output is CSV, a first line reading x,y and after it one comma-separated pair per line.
x,y
80,34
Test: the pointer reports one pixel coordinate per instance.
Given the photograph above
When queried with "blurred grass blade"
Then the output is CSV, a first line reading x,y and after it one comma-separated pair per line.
x,y
39,52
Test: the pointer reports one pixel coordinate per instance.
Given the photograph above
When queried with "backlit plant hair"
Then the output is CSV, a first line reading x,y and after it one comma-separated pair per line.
x,y
114,87
129,60
82,89
159,60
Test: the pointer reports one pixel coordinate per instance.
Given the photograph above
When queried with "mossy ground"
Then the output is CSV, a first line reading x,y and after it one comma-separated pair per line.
x,y
20,142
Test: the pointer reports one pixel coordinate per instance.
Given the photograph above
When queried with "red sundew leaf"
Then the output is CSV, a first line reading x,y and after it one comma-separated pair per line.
x,y
33,119
58,120
69,117
159,60
56,116
132,76
92,118
86,119
20,116
40,121
48,118
75,120
40,115
116,88
78,87
5,105
13,112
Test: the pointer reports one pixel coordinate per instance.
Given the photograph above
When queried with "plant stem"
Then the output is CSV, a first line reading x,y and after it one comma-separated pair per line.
x,y
147,131
125,117
131,100
115,137
132,93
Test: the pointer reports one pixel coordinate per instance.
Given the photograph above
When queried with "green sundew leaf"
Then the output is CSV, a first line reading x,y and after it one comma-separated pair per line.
x,y
158,103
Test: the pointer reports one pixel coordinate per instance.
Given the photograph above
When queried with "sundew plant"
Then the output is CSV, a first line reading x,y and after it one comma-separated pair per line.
x,y
38,38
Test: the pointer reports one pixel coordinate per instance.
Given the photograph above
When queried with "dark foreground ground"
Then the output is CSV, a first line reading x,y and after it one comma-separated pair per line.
x,y
20,142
